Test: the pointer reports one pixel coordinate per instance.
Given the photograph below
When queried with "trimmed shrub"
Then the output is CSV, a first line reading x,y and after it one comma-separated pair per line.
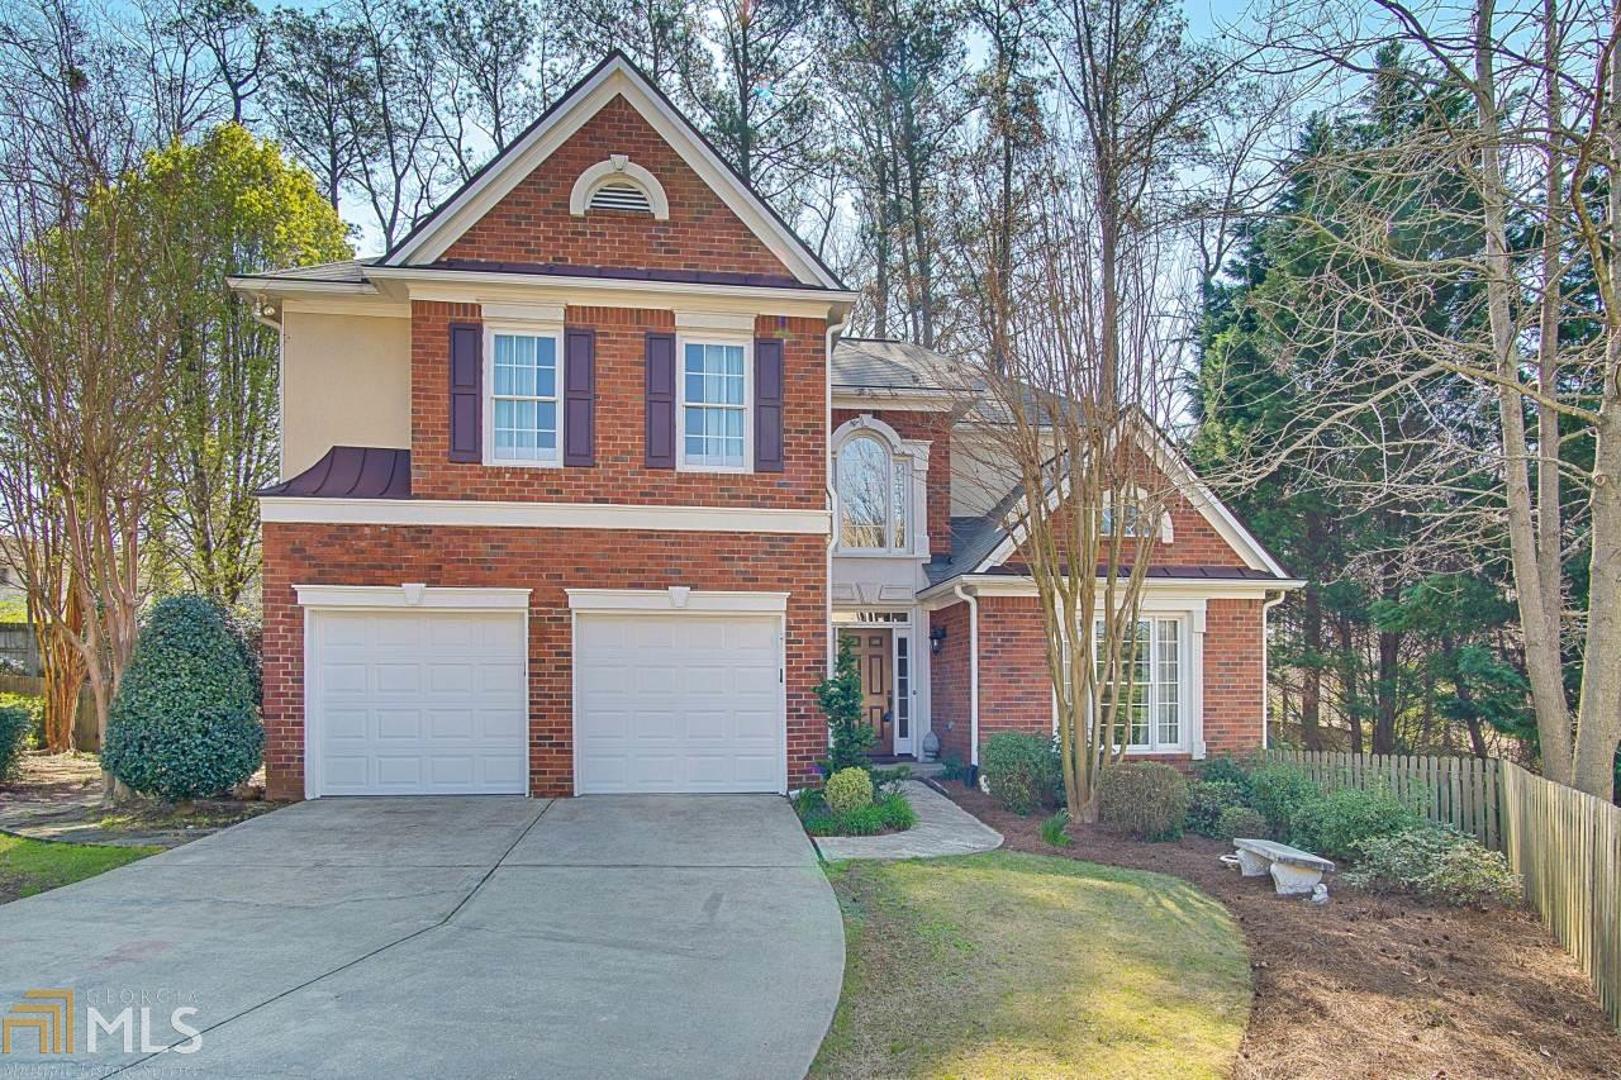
x,y
184,723
889,814
1278,791
1145,799
16,727
1338,823
1022,772
848,790
1436,863
1226,770
1240,821
1207,799
34,706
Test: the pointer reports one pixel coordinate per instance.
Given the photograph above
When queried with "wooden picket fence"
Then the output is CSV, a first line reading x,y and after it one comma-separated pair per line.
x,y
86,735
1564,844
1460,791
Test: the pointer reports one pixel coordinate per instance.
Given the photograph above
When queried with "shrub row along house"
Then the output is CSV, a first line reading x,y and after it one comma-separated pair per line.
x,y
581,482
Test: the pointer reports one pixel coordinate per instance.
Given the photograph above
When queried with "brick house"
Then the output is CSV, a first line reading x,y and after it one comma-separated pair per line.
x,y
580,482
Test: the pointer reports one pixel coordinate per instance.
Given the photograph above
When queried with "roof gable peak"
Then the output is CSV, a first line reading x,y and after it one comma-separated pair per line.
x,y
614,78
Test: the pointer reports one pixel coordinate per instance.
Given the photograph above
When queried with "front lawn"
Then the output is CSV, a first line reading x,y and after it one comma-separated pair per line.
x,y
33,866
1008,964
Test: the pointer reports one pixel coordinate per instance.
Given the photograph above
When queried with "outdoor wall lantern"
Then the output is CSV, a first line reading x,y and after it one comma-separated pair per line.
x,y
937,638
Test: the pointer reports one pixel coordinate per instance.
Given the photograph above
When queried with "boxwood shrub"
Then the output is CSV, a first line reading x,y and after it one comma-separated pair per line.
x,y
1145,799
1240,821
1278,791
16,730
1436,863
1338,824
1022,772
184,723
1207,800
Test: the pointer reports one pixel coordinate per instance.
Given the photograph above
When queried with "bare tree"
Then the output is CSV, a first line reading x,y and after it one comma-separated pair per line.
x,y
1534,328
83,344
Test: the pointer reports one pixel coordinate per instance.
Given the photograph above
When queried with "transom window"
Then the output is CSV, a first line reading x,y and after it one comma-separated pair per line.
x,y
874,496
523,397
714,406
1150,686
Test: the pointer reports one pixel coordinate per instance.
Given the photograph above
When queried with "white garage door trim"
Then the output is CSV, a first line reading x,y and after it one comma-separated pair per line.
x,y
398,598
674,603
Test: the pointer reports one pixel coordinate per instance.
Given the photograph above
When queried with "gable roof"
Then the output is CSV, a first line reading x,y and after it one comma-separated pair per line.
x,y
989,541
615,77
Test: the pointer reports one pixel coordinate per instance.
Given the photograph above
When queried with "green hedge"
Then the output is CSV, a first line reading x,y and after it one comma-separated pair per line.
x,y
1022,772
185,722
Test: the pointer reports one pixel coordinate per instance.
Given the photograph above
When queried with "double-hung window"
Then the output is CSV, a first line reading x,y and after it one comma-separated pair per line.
x,y
524,419
1149,685
714,405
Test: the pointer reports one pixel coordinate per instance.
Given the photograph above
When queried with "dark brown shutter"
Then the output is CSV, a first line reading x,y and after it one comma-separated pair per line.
x,y
768,405
579,397
466,391
661,401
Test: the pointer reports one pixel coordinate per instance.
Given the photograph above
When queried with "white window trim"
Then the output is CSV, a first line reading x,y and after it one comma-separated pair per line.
x,y
682,340
914,454
1190,612
526,328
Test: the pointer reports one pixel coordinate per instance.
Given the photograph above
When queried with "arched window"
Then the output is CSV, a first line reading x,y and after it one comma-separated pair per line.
x,y
874,496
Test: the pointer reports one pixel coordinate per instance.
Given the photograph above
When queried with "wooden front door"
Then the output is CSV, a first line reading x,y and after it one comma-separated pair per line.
x,y
873,657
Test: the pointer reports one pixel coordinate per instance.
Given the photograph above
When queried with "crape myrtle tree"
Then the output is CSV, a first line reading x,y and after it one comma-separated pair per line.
x,y
1078,403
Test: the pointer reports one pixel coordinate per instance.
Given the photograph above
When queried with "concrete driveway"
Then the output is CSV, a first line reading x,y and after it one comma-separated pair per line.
x,y
617,936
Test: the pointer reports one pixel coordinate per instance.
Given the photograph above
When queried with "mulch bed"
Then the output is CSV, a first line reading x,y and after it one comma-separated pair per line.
x,y
1373,985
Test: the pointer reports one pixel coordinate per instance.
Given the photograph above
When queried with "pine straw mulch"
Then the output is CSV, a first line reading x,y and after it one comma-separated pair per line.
x,y
1373,985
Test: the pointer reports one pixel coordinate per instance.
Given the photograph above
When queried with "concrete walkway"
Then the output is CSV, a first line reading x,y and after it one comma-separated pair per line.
x,y
943,828
680,936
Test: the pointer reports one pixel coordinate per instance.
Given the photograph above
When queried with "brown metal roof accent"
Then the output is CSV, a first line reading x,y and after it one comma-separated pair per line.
x,y
351,472
625,273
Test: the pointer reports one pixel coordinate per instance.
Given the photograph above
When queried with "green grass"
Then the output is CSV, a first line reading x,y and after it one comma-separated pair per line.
x,y
33,866
1015,965
14,609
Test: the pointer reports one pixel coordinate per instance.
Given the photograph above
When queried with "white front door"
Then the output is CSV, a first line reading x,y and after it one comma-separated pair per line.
x,y
416,703
679,703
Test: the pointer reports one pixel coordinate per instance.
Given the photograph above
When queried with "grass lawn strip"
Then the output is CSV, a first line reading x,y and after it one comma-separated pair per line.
x,y
34,866
1010,964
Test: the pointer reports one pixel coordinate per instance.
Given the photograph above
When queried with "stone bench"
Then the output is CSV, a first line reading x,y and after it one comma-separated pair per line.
x,y
1294,872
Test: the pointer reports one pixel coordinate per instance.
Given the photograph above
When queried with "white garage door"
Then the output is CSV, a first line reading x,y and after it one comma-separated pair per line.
x,y
417,703
678,703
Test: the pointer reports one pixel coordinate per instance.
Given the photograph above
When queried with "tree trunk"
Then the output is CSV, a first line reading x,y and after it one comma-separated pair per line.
x,y
1311,687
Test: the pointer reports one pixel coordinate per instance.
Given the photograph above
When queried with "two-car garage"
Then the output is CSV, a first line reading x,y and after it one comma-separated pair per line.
x,y
414,691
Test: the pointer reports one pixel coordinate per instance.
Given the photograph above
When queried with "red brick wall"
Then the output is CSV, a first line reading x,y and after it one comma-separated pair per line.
x,y
949,682
1015,693
532,222
1233,675
619,475
934,428
547,561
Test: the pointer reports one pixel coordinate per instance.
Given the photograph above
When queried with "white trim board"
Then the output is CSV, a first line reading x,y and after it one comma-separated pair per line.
x,y
412,595
677,599
1170,589
616,77
285,509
